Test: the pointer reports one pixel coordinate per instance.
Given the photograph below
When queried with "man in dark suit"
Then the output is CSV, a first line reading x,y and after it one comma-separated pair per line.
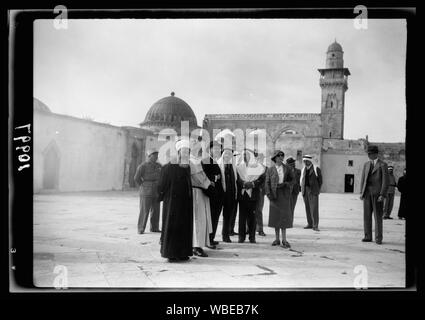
x,y
260,203
216,194
311,182
373,190
296,188
228,181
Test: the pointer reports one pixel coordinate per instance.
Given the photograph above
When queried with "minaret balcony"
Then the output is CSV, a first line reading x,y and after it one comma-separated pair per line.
x,y
333,82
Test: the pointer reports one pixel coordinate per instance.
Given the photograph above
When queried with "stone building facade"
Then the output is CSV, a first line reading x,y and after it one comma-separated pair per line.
x,y
320,135
74,154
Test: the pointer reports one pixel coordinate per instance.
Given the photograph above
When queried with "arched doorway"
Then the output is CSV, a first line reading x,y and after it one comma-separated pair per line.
x,y
292,144
133,165
51,163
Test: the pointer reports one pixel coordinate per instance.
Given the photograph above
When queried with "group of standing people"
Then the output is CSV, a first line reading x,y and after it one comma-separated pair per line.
x,y
195,191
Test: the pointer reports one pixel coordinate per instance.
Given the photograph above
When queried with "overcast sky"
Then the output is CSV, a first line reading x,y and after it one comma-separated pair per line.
x,y
114,70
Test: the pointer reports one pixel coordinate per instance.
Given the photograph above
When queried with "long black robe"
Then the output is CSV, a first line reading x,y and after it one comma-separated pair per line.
x,y
175,190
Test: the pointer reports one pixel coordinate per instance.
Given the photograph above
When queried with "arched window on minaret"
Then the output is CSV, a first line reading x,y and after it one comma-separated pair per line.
x,y
330,134
332,104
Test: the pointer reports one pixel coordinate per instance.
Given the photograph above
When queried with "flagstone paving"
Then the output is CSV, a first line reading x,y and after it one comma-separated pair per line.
x,y
91,239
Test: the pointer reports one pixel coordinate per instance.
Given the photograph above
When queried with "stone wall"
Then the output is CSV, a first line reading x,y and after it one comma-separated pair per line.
x,y
291,133
89,155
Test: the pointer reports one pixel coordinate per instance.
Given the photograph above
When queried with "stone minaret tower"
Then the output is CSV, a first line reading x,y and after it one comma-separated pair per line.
x,y
333,81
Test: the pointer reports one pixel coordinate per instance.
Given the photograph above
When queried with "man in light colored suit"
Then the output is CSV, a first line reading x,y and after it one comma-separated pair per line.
x,y
373,190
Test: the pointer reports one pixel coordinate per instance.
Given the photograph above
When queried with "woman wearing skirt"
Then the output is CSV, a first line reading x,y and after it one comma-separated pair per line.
x,y
279,179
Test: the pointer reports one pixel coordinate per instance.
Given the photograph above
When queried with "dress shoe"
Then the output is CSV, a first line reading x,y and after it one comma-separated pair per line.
x,y
215,243
227,240
390,218
212,247
366,240
286,244
316,229
155,230
261,233
234,233
172,259
378,241
252,241
241,241
308,227
276,243
199,252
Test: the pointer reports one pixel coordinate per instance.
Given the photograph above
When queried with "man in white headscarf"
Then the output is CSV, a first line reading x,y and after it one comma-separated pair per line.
x,y
251,176
311,182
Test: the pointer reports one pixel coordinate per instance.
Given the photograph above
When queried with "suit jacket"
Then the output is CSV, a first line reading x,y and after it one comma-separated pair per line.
x,y
213,172
314,180
147,177
272,180
378,181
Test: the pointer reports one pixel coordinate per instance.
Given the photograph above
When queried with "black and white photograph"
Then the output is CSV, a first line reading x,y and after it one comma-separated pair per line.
x,y
217,154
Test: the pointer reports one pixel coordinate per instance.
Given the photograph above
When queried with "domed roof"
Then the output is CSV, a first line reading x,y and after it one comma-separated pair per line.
x,y
40,106
335,47
169,112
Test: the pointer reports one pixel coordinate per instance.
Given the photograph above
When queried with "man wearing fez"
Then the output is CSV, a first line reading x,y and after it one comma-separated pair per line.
x,y
311,182
216,194
389,200
373,190
228,181
147,176
296,187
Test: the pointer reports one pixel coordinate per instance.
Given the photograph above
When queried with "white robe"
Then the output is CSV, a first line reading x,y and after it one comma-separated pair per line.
x,y
202,225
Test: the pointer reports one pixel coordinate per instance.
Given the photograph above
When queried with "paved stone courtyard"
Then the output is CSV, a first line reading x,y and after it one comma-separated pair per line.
x,y
94,236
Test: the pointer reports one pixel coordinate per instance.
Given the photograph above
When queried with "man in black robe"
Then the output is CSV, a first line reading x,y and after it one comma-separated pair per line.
x,y
175,190
216,194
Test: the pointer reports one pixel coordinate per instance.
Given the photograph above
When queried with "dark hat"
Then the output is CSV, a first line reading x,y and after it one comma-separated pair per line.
x,y
277,153
290,160
372,149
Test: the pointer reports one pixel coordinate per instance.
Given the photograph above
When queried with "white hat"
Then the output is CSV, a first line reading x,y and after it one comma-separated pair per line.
x,y
307,157
182,144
